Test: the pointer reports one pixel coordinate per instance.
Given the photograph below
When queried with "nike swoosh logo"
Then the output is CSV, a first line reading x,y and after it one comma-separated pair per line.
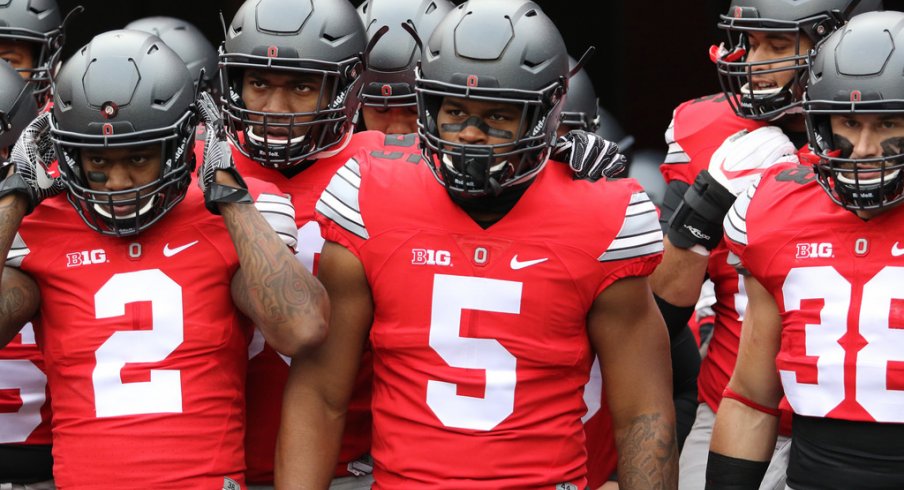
x,y
169,252
517,264
734,174
896,251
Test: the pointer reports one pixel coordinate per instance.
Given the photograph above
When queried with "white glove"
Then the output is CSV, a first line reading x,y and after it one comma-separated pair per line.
x,y
217,156
744,155
589,156
26,171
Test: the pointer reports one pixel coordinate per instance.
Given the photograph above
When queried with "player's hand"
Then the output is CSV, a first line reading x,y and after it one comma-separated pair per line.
x,y
589,156
744,155
26,171
225,187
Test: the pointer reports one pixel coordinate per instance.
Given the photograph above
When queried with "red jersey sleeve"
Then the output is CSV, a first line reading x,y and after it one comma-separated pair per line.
x,y
697,129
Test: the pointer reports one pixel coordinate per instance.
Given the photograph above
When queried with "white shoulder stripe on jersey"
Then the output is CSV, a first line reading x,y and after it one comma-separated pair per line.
x,y
17,252
735,222
339,201
676,153
279,213
640,233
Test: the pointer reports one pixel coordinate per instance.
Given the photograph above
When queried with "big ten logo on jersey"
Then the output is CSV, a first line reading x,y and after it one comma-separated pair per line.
x,y
426,256
814,250
86,257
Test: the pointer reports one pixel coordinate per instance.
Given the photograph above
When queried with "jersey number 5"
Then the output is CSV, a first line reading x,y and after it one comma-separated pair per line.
x,y
451,295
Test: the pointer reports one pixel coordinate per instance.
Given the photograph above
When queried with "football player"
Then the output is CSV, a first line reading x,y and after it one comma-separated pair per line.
x,y
140,299
484,280
188,42
25,456
581,111
821,264
289,74
387,83
31,39
717,145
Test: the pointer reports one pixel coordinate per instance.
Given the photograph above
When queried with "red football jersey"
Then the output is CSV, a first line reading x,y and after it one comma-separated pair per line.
x,y
267,370
602,456
479,335
143,347
24,398
836,280
697,130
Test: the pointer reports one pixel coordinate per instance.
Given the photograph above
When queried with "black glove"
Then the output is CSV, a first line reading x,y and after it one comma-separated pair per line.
x,y
217,157
26,171
698,219
589,156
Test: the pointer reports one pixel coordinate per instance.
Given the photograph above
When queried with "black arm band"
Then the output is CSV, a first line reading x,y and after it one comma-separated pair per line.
x,y
698,220
674,196
15,184
223,194
727,473
685,369
676,317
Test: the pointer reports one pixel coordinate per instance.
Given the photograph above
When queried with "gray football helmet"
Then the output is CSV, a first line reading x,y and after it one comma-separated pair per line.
x,y
582,111
858,70
188,42
388,78
125,89
37,22
17,106
324,38
492,50
813,19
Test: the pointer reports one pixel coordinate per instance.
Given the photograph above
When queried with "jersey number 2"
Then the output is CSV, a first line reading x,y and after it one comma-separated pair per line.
x,y
163,393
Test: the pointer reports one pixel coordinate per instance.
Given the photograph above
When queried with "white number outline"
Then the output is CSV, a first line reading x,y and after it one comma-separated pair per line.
x,y
163,393
821,339
24,375
452,295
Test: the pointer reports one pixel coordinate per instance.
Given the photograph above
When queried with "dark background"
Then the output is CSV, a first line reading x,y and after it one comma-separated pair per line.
x,y
651,55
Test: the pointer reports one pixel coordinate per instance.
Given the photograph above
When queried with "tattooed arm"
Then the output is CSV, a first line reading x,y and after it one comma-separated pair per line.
x,y
19,295
628,332
274,289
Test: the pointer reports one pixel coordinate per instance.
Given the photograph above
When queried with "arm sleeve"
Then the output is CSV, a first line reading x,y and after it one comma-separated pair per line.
x,y
685,368
674,194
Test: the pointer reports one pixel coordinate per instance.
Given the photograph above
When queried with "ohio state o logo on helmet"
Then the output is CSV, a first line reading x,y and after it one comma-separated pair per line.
x,y
856,96
108,129
386,90
472,80
272,52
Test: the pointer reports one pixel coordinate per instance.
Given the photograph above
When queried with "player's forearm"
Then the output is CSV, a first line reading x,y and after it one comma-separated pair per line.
x,y
679,277
648,450
307,448
19,296
283,299
743,432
